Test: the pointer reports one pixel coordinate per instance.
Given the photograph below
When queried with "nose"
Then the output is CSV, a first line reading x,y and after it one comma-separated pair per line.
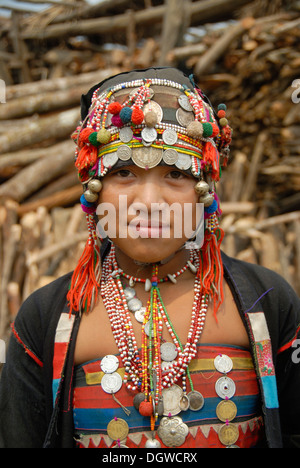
x,y
149,191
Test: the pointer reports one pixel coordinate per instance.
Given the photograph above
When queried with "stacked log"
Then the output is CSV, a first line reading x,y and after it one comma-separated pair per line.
x,y
250,62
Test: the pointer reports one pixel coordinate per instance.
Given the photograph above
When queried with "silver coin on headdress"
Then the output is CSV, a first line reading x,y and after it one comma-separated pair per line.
x,y
170,156
184,118
125,134
183,162
149,134
169,136
156,108
184,102
124,152
147,157
109,159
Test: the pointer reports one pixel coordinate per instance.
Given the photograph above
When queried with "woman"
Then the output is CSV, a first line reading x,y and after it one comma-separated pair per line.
x,y
157,339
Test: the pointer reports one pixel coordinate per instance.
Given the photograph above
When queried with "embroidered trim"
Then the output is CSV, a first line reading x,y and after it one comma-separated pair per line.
x,y
289,343
27,350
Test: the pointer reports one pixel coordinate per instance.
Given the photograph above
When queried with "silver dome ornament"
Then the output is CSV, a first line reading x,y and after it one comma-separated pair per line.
x,y
152,443
90,196
207,199
202,187
95,185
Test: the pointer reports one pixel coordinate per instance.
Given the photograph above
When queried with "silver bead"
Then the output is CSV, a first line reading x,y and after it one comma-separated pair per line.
x,y
152,443
201,187
207,199
95,185
90,196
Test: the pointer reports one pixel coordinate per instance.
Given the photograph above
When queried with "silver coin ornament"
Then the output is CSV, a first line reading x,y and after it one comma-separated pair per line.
x,y
184,102
183,162
168,351
129,293
225,387
140,314
169,136
170,156
149,134
171,398
111,383
196,400
223,363
172,431
109,364
184,118
109,159
152,443
134,304
125,134
124,152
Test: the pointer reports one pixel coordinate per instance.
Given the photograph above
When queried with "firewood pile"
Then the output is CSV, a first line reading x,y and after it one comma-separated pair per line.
x,y
247,56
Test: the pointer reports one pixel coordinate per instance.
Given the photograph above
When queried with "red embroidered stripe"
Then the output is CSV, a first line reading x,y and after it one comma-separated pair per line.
x,y
27,350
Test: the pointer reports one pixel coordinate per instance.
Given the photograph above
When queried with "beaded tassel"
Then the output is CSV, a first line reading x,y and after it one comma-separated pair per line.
x,y
85,280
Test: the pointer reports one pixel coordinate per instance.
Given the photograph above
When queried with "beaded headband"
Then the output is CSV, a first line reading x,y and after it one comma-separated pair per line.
x,y
146,122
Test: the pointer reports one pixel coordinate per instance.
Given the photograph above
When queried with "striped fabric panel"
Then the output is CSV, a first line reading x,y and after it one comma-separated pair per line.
x,y
94,409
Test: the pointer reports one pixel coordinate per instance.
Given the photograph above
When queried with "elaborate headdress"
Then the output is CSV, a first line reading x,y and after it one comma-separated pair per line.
x,y
150,117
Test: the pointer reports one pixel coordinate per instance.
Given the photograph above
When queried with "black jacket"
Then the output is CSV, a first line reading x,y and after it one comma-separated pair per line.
x,y
29,419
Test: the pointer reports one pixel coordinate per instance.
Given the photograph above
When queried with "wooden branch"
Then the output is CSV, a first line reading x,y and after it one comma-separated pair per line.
x,y
207,10
35,176
56,126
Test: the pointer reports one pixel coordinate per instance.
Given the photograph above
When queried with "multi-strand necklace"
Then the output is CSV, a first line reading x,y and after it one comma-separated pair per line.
x,y
144,369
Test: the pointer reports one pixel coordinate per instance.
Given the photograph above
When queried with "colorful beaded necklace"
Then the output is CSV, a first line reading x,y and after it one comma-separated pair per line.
x,y
143,370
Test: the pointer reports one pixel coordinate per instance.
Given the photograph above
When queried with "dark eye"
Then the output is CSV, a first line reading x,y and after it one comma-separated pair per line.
x,y
176,174
122,173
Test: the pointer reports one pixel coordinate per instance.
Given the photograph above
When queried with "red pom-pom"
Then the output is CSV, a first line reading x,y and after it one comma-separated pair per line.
x,y
216,130
114,108
221,113
146,408
137,116
84,136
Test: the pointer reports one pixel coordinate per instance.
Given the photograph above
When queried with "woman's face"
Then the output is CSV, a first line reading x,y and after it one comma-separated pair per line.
x,y
149,214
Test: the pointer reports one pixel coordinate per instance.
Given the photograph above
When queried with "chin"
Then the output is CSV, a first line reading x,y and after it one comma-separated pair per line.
x,y
149,250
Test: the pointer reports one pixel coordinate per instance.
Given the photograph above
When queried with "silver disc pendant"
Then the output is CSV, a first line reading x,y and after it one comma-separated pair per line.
x,y
152,443
111,383
147,329
140,314
223,363
172,431
168,351
129,293
171,398
109,364
134,304
225,387
196,400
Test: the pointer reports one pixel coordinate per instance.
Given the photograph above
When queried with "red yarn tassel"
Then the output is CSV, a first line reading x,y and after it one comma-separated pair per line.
x,y
211,267
85,280
87,157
